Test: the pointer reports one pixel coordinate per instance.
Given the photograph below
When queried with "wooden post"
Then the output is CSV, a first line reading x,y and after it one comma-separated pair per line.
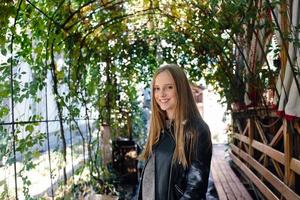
x,y
251,135
297,150
289,176
240,131
106,144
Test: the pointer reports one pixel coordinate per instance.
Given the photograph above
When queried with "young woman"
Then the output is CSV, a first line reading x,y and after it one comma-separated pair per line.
x,y
178,150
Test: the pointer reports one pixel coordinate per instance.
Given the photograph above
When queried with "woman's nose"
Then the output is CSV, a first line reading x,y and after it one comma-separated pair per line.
x,y
163,92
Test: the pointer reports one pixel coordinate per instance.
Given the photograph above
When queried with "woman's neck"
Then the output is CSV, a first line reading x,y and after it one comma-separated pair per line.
x,y
169,124
170,115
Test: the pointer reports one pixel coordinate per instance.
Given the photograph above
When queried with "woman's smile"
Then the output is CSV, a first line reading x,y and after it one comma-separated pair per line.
x,y
165,93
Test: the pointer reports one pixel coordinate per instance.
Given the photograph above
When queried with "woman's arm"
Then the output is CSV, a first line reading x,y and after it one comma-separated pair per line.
x,y
198,171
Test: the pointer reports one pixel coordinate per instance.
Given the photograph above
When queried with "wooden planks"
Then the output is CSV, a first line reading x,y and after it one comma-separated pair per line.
x,y
262,187
284,190
226,182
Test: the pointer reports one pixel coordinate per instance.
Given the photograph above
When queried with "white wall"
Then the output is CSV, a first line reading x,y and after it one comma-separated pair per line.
x,y
213,115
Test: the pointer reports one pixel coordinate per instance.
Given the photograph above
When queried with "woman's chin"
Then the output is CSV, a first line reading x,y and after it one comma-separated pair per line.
x,y
164,108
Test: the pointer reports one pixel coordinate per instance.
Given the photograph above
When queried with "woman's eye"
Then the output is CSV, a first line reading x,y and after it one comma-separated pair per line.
x,y
170,87
156,89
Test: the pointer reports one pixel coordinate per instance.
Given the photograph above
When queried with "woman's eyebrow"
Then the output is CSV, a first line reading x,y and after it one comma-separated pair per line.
x,y
166,84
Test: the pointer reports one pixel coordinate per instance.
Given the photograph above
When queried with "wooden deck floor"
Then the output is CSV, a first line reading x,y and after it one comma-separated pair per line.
x,y
227,184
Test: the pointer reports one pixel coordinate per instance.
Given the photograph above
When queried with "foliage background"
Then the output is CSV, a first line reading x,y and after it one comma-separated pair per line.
x,y
88,57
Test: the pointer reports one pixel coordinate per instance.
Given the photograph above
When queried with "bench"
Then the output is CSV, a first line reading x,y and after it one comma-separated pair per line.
x,y
227,184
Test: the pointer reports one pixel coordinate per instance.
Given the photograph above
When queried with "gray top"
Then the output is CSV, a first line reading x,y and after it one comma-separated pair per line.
x,y
148,183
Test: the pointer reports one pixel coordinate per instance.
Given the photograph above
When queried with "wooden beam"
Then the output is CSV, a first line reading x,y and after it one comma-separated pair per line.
x,y
278,169
288,154
242,138
251,136
253,178
239,126
280,186
277,137
297,126
240,129
292,180
261,132
295,165
246,128
272,153
264,140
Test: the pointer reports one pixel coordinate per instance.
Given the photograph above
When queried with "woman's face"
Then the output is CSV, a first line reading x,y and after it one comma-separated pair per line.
x,y
165,93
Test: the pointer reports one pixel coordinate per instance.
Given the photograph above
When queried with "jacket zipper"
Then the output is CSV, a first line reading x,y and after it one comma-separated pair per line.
x,y
170,175
178,189
171,168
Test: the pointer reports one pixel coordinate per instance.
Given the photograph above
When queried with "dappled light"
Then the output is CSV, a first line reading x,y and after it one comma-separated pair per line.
x,y
75,85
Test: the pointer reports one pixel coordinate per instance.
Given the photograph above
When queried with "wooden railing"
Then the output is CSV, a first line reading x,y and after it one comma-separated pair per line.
x,y
267,149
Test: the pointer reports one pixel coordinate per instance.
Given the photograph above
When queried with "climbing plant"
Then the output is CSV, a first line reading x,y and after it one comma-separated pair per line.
x,y
93,55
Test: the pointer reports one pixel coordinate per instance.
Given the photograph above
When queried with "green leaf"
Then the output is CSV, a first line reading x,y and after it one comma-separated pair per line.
x,y
29,128
4,90
3,111
3,51
36,154
60,75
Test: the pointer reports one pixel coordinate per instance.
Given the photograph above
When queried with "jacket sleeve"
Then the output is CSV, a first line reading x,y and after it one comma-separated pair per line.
x,y
198,172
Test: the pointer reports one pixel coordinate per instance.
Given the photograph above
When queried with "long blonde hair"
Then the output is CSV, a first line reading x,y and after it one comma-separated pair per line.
x,y
186,117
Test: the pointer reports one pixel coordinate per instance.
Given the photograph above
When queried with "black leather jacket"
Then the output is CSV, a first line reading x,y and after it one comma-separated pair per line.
x,y
186,183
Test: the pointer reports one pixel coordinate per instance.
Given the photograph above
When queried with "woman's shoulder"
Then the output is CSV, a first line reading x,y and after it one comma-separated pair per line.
x,y
201,126
201,129
202,138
